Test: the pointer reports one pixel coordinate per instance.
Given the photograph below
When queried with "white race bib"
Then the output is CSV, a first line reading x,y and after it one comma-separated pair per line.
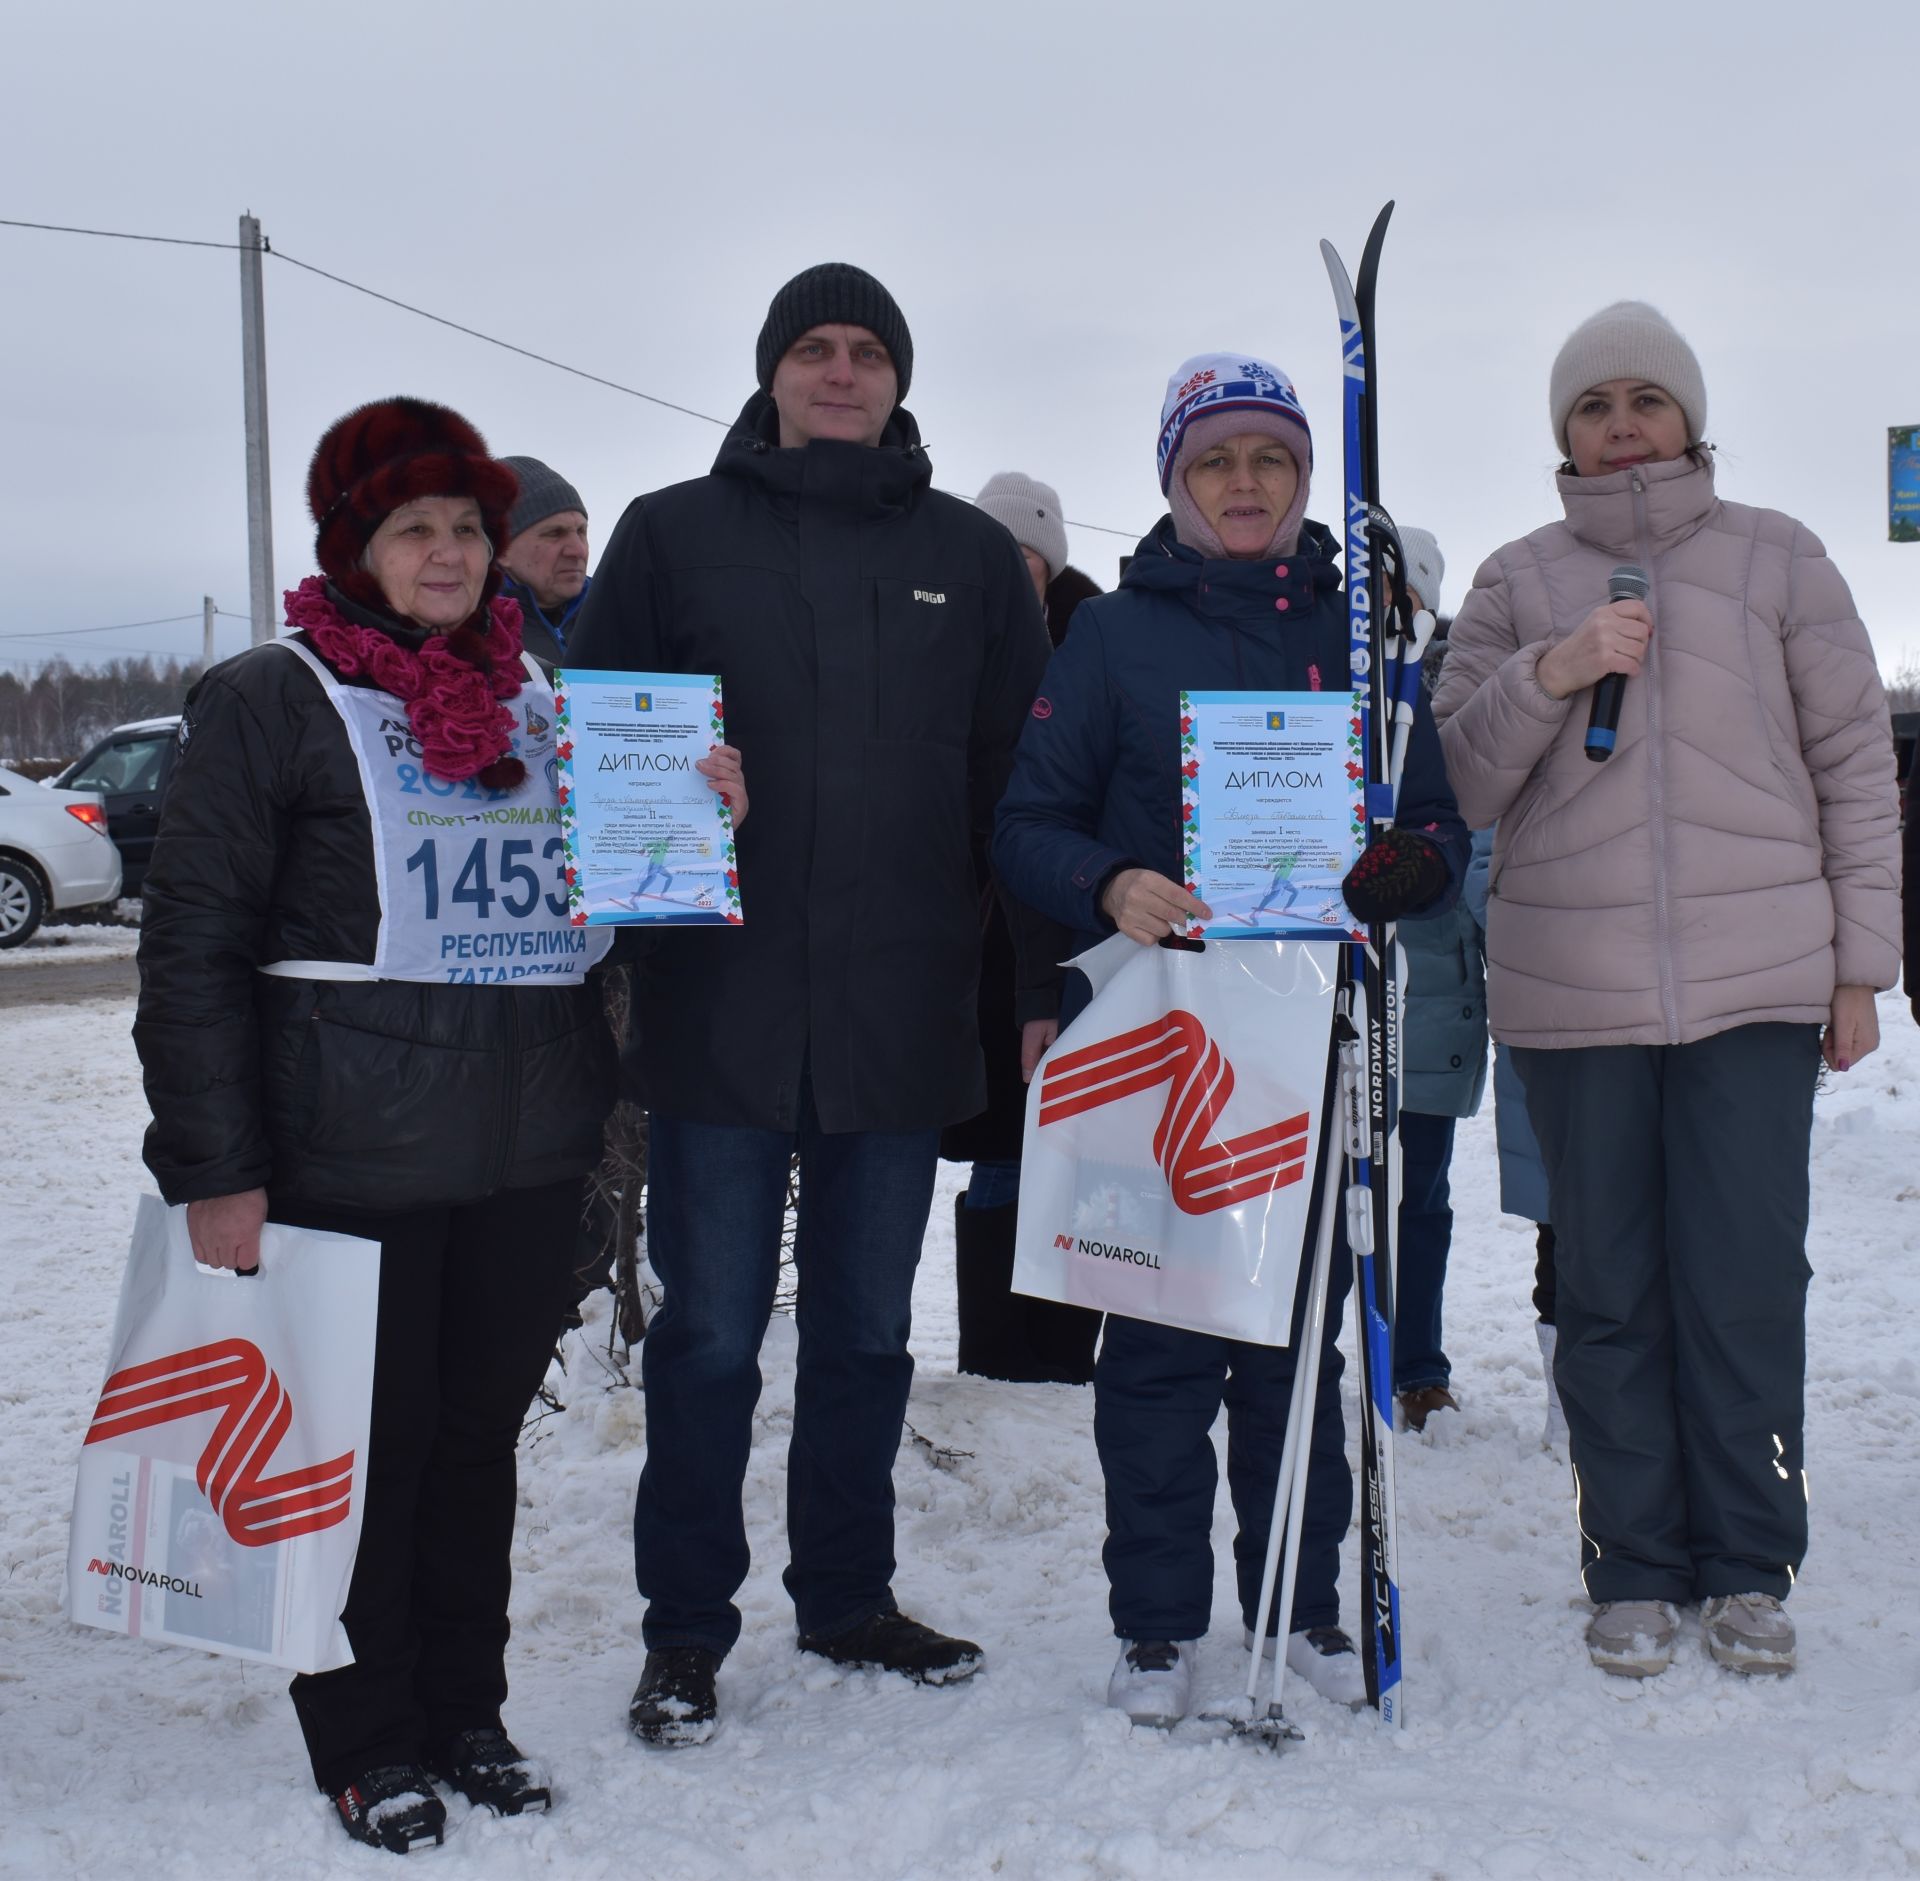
x,y
472,882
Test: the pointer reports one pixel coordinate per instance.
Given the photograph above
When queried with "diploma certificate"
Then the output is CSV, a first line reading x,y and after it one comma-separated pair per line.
x,y
1273,807
648,841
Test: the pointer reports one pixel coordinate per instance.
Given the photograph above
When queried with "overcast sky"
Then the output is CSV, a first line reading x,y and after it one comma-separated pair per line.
x,y
1065,199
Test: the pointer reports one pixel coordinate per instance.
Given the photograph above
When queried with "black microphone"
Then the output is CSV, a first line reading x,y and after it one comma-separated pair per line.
x,y
1628,582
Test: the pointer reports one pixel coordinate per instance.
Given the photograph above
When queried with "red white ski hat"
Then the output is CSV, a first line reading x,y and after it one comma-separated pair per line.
x,y
1211,384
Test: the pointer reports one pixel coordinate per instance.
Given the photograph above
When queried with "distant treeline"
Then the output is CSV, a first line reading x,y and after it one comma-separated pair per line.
x,y
61,709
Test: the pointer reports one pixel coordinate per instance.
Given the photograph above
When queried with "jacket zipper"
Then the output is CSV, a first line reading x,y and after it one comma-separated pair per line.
x,y
1656,771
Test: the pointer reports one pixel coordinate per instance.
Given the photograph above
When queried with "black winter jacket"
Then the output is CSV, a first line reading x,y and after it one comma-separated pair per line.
x,y
366,1095
879,644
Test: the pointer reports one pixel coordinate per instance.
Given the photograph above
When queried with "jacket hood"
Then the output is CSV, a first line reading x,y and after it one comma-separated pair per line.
x,y
1674,499
1163,564
873,477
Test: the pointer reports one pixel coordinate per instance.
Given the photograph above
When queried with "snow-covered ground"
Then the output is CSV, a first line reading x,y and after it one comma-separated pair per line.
x,y
1517,1759
55,941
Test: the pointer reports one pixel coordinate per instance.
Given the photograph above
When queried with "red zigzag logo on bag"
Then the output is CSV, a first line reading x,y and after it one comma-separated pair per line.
x,y
1176,1051
231,1377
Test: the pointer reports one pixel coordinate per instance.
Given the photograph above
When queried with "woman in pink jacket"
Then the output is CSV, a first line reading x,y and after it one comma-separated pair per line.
x,y
1674,935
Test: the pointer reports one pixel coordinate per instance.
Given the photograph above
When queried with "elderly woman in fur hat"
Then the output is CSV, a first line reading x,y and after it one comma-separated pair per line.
x,y
358,1019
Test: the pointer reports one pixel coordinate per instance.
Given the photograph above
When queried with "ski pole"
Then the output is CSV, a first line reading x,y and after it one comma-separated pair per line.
x,y
1289,1490
1406,689
1306,1401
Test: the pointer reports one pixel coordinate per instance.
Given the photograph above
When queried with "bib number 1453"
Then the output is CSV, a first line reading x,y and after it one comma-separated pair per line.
x,y
492,872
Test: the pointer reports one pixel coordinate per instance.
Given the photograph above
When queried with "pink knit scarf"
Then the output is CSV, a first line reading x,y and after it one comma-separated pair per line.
x,y
451,685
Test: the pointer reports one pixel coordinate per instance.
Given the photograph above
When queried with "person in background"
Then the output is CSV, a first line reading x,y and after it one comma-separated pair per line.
x,y
1004,1334
1523,1176
1675,937
880,646
1444,1072
1234,588
545,558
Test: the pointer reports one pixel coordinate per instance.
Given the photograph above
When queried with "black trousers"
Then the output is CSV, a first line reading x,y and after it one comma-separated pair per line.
x,y
1680,1195
471,1302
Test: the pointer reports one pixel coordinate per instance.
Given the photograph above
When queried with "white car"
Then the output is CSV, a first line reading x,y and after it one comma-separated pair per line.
x,y
55,854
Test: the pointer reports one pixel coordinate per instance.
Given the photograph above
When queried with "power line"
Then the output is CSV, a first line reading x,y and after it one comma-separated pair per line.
x,y
118,627
475,333
489,339
114,235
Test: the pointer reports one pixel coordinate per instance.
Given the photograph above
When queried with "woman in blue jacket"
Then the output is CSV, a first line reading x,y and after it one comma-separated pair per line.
x,y
1232,589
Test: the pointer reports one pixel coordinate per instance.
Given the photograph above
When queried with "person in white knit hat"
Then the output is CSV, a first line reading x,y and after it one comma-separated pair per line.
x,y
1674,938
1004,1334
1030,511
1444,1070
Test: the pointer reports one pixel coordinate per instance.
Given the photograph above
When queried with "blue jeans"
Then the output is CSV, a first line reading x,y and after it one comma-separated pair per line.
x,y
993,1185
1426,1233
716,1197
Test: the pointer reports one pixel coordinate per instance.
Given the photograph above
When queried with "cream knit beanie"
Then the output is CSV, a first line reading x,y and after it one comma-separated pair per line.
x,y
1426,566
1031,510
1628,340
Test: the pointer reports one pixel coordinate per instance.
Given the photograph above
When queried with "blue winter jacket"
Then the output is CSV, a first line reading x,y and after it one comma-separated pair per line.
x,y
1096,781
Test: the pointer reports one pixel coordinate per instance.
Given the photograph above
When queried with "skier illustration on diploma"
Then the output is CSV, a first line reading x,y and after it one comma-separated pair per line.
x,y
657,870
1283,884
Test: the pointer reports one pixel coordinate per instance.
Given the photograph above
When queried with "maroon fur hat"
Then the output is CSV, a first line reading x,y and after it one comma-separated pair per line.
x,y
388,453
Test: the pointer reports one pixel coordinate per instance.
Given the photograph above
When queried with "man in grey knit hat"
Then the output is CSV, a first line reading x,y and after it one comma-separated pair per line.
x,y
545,557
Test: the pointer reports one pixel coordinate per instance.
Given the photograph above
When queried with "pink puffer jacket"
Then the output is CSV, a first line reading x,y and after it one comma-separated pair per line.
x,y
1738,856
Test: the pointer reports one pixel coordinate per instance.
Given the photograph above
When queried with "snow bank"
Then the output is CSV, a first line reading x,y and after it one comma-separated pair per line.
x,y
1517,1760
71,941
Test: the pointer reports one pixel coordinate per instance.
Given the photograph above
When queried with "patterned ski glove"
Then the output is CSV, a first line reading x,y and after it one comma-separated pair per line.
x,y
1397,873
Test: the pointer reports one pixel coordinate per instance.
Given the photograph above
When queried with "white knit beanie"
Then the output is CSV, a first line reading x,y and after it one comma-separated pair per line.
x,y
1628,340
1426,566
1031,510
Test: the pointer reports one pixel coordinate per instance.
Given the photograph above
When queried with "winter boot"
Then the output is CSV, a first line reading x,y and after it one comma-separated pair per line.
x,y
1325,1658
1632,1639
488,1769
1152,1681
890,1642
990,1342
1417,1406
394,1807
1555,1434
675,1703
1748,1632
1004,1334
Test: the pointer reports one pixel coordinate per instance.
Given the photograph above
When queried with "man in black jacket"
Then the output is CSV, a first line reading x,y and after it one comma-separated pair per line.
x,y
879,646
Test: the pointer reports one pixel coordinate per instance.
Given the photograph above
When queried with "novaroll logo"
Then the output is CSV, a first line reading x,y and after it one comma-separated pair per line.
x,y
233,1378
144,1577
1175,1051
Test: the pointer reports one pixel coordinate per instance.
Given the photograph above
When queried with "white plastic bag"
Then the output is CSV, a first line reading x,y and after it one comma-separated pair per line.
x,y
1172,1136
222,1481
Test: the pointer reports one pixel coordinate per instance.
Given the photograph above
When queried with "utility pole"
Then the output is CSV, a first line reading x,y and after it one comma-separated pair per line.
x,y
253,376
206,632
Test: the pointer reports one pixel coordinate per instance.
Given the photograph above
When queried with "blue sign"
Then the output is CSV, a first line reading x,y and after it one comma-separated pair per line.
x,y
1903,483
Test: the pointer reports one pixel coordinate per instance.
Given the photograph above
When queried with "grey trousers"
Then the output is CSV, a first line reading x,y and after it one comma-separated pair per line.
x,y
1679,1188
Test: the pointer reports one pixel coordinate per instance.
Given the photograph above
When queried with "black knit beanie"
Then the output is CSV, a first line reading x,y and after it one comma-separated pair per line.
x,y
842,294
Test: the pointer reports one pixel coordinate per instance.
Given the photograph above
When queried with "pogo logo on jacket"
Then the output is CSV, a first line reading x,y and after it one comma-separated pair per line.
x,y
1203,1175
232,1377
